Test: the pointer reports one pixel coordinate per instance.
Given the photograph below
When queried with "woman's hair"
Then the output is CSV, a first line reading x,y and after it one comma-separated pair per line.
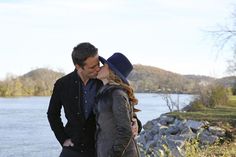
x,y
114,78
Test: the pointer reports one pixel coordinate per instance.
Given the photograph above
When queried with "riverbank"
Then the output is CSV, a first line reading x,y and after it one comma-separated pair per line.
x,y
199,132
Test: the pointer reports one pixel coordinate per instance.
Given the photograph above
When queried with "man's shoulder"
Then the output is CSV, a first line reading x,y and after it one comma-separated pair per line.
x,y
65,78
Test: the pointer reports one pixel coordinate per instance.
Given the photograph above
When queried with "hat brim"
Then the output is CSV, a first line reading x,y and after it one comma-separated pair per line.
x,y
112,67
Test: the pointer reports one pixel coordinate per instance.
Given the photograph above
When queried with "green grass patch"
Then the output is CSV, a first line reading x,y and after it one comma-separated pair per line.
x,y
232,98
226,113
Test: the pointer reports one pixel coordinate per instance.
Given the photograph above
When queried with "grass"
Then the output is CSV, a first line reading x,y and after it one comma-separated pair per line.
x,y
224,117
215,150
224,114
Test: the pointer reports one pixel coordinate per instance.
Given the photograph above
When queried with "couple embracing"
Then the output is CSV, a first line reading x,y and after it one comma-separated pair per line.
x,y
99,107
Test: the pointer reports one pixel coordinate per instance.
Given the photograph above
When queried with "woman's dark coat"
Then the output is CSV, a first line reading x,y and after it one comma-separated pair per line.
x,y
113,116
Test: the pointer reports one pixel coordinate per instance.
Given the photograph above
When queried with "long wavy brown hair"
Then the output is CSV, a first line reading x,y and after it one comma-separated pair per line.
x,y
113,78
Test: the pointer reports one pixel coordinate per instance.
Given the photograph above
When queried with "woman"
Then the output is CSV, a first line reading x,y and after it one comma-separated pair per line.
x,y
114,109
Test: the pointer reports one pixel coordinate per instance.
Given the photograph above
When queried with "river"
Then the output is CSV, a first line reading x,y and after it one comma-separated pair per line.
x,y
25,131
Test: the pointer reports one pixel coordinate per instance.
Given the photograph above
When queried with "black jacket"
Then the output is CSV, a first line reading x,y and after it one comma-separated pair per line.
x,y
67,94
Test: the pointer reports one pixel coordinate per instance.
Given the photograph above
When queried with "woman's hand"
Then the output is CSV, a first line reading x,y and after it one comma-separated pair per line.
x,y
134,127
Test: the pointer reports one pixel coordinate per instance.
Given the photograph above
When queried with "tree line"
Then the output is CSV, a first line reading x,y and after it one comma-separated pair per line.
x,y
38,82
144,79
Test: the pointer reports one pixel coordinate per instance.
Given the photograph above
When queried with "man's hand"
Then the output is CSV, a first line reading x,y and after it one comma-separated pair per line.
x,y
134,127
68,143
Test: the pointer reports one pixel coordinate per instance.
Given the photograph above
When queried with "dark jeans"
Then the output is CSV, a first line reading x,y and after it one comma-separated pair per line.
x,y
66,152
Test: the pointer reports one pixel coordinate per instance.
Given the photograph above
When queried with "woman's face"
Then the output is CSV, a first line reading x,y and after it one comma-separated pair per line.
x,y
104,72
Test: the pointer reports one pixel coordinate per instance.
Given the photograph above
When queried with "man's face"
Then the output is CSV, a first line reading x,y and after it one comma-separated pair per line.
x,y
91,67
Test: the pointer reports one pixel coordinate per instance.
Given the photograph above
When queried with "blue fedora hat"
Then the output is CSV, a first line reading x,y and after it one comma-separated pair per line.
x,y
119,64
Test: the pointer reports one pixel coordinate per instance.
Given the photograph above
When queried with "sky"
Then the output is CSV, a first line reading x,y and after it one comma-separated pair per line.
x,y
173,35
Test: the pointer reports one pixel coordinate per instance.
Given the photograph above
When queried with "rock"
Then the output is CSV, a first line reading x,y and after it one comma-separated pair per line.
x,y
157,137
148,125
163,130
186,130
217,131
148,136
206,138
166,135
176,152
141,138
196,125
150,144
173,130
165,120
155,129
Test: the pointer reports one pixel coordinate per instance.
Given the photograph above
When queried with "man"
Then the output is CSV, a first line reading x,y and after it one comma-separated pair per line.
x,y
76,92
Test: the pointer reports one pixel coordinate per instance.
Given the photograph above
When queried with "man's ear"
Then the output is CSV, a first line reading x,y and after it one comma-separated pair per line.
x,y
78,68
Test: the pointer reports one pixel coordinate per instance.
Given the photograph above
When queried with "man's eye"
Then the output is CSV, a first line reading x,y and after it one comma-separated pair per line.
x,y
93,67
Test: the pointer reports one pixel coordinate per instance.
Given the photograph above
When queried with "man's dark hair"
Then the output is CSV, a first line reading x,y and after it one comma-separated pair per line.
x,y
82,51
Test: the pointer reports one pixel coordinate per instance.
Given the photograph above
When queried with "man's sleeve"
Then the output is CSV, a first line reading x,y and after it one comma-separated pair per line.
x,y
54,114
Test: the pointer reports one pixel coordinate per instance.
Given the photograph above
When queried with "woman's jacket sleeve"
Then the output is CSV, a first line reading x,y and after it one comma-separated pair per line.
x,y
121,110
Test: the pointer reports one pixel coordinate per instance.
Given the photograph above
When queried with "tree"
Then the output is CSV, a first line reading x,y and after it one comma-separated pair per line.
x,y
226,35
170,103
232,64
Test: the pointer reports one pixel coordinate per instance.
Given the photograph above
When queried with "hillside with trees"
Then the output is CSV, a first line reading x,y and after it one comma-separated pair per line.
x,y
39,82
152,79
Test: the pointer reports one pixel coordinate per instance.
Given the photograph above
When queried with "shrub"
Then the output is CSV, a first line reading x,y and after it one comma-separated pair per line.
x,y
196,105
211,96
233,89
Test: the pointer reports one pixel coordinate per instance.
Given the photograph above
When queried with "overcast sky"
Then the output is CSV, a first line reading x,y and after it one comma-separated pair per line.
x,y
168,34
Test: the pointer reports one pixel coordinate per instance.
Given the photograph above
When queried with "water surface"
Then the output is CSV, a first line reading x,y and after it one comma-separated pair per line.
x,y
25,131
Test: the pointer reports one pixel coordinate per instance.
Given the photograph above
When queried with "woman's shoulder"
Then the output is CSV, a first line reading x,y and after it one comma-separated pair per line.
x,y
112,89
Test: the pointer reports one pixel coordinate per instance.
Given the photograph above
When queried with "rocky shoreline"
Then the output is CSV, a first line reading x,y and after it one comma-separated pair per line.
x,y
167,136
